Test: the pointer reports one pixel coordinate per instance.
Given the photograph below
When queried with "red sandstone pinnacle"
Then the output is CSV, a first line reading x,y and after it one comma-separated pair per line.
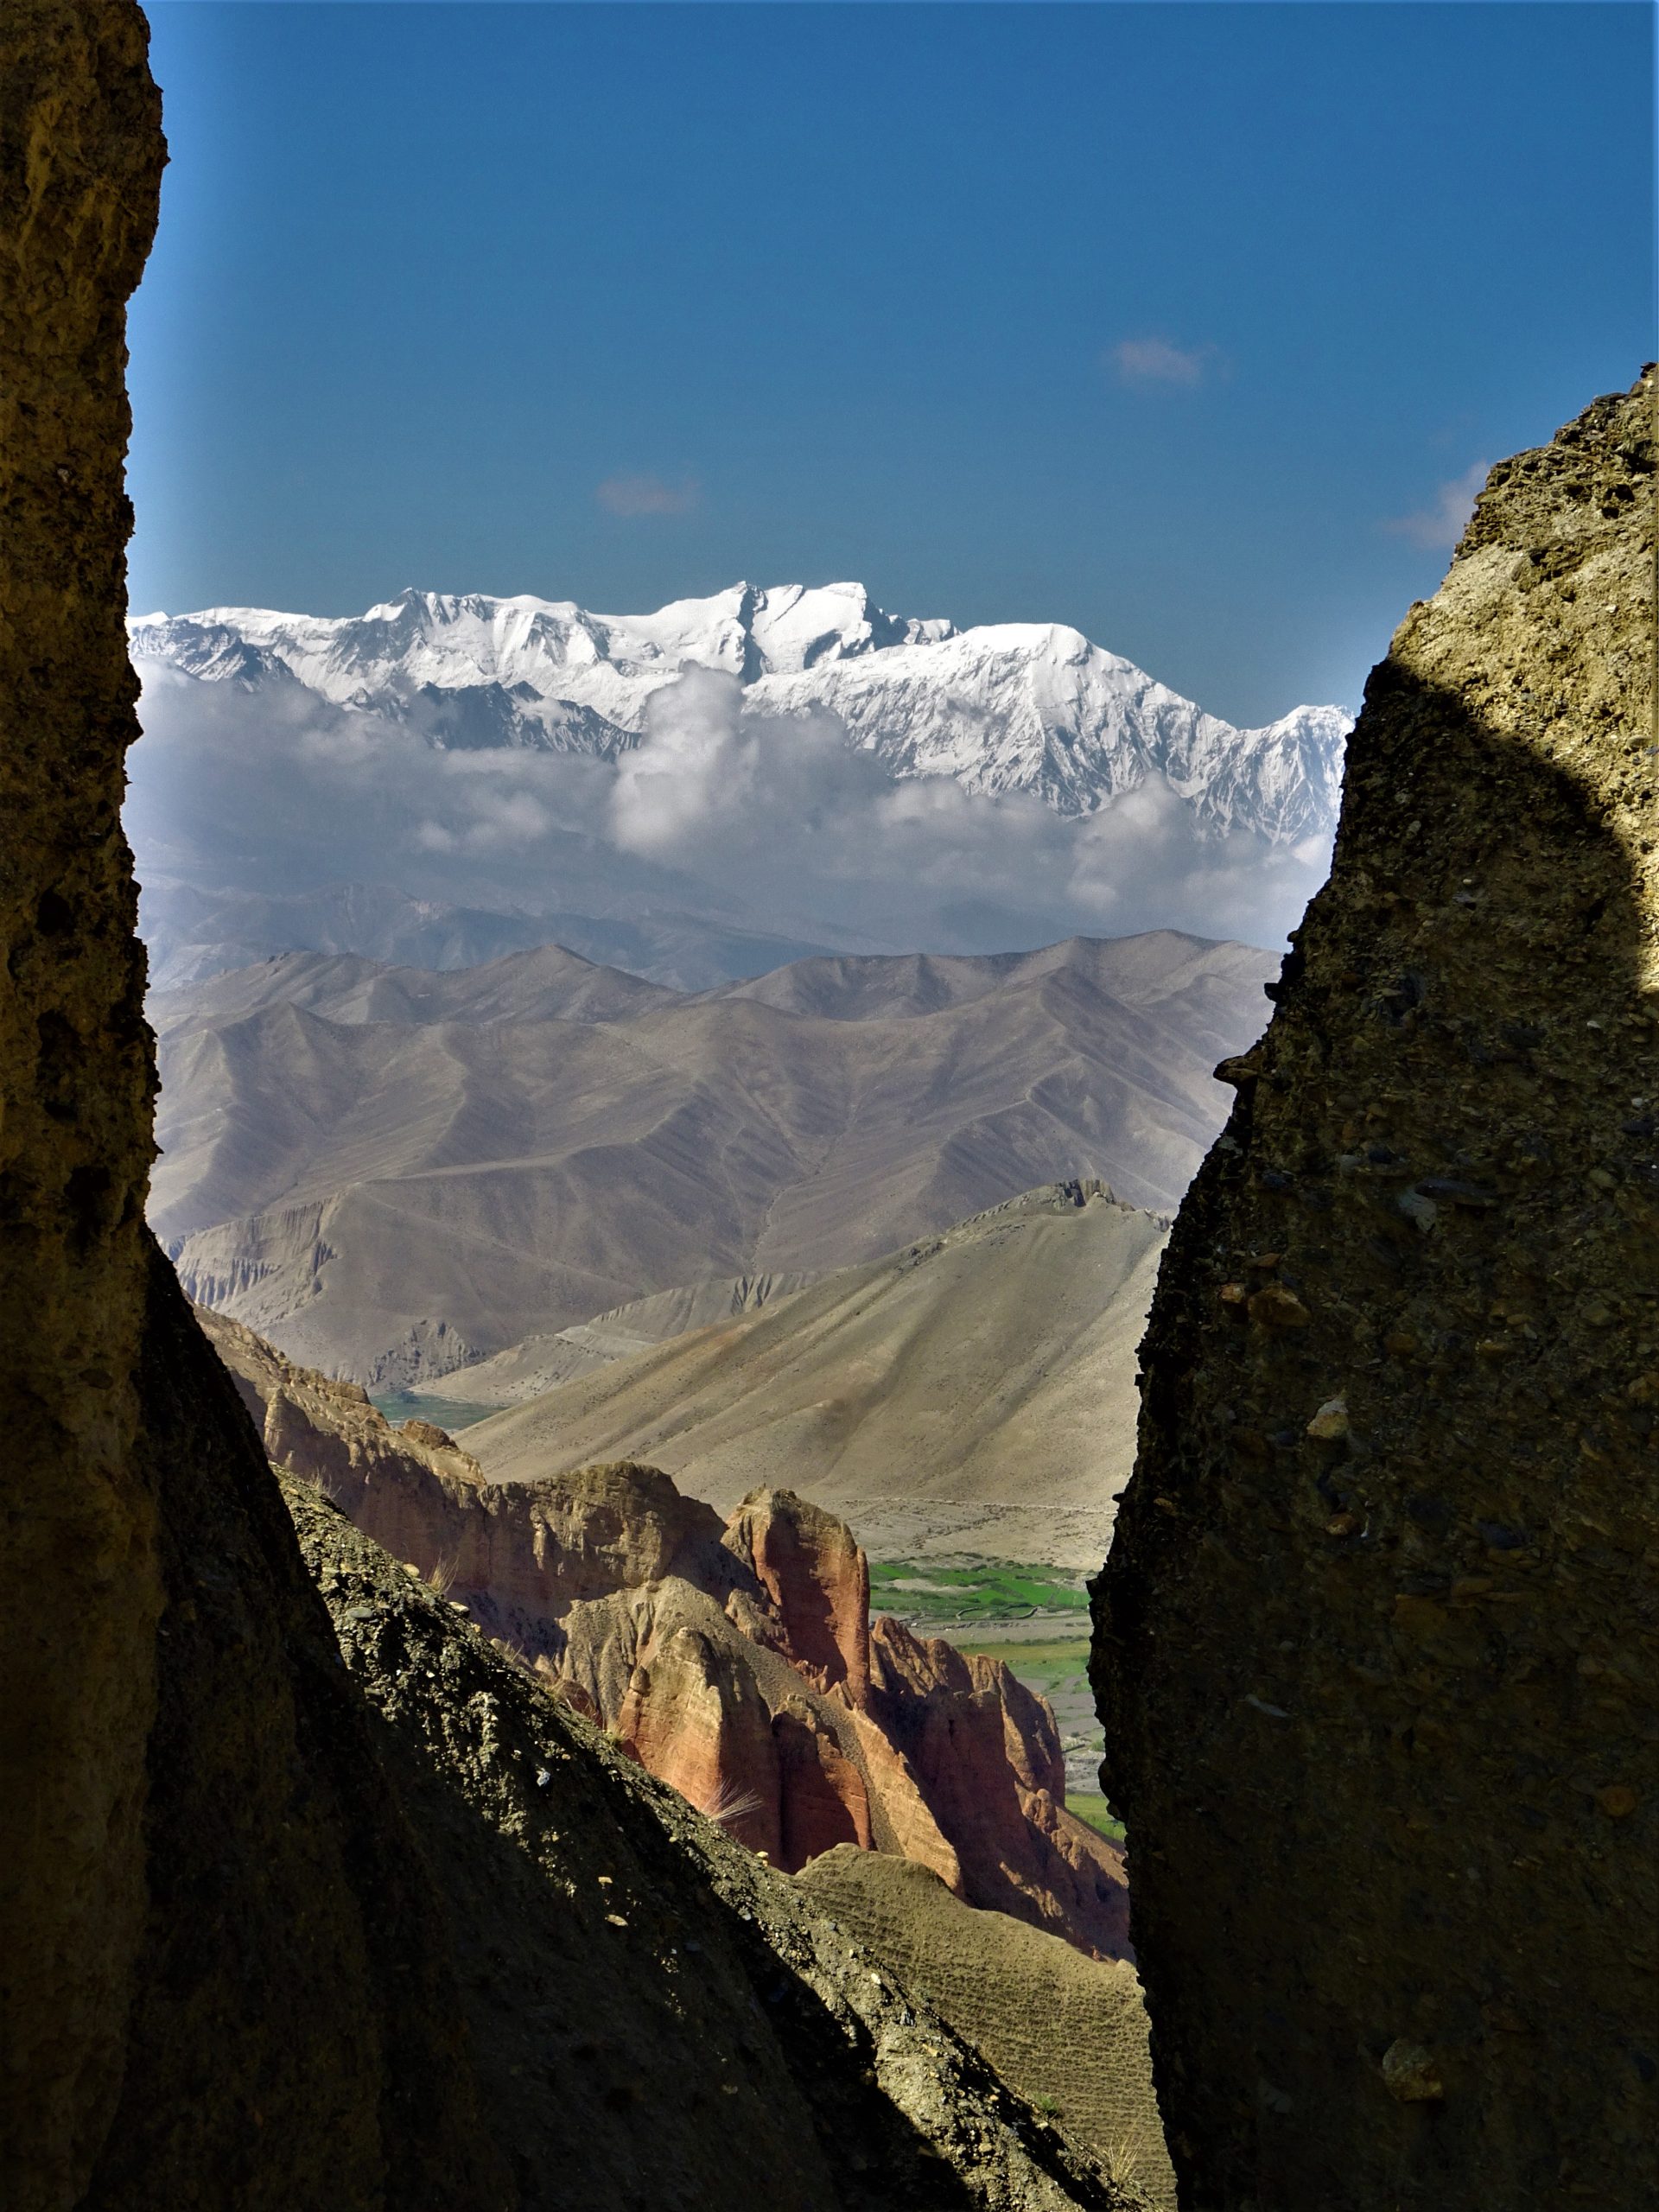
x,y
987,1755
738,1665
810,1566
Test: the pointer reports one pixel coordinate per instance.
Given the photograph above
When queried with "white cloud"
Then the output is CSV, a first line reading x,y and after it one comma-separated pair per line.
x,y
1439,526
773,823
647,495
1158,360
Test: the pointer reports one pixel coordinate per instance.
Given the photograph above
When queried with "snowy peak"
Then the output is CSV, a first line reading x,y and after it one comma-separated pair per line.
x,y
1027,707
453,639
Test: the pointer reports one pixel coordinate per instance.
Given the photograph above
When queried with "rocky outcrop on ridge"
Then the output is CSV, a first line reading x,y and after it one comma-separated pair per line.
x,y
1377,1644
986,1752
734,1660
299,1908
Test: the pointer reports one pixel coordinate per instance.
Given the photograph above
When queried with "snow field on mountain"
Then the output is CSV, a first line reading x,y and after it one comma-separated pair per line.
x,y
765,760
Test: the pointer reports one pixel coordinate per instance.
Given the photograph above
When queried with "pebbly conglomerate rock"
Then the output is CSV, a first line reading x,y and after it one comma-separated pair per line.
x,y
1377,1646
81,165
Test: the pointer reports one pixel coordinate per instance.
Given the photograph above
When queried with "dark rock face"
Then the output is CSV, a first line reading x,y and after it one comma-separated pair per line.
x,y
1377,1648
296,2033
80,164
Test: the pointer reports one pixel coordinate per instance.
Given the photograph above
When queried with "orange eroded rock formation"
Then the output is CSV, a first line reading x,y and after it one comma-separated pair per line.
x,y
736,1662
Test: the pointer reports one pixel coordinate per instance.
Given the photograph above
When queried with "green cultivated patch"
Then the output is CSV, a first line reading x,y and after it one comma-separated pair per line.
x,y
978,1593
447,1413
1093,1809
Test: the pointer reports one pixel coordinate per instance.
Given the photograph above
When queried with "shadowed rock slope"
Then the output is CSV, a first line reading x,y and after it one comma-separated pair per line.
x,y
1377,1645
654,2015
1069,2032
984,1381
287,1921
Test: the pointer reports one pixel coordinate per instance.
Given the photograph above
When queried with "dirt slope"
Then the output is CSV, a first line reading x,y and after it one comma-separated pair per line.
x,y
985,1377
1069,2032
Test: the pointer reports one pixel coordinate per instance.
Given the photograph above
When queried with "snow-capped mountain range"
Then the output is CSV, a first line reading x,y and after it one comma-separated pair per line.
x,y
1027,707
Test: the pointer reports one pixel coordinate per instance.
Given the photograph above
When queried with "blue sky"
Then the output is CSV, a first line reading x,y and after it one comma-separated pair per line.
x,y
1183,324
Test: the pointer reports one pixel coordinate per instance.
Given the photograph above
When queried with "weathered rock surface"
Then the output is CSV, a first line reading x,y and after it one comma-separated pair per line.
x,y
1068,2033
734,1661
1377,1645
986,1754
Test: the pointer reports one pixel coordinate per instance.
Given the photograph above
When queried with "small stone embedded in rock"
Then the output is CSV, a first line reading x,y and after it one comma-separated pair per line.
x,y
1418,1209
1330,1424
1618,1801
1273,1306
1408,2072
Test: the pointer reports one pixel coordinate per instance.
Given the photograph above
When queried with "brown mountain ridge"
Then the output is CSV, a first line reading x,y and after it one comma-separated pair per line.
x,y
510,1149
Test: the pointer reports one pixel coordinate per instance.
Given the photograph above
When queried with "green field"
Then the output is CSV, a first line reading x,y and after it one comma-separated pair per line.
x,y
448,1413
976,1594
1093,1809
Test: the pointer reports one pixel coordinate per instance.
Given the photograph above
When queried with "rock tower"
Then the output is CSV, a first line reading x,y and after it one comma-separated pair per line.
x,y
1377,1648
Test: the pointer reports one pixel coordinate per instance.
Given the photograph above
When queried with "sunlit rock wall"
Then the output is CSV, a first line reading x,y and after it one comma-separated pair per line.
x,y
1377,1648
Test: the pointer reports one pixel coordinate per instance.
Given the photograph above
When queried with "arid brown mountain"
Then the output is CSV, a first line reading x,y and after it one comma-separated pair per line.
x,y
735,1659
975,1391
191,933
1377,1648
544,984
394,1198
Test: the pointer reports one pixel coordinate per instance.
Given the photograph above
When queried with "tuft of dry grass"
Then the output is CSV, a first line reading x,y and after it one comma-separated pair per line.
x,y
728,1805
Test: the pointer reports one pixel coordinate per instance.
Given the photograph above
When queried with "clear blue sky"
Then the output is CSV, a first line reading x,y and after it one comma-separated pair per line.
x,y
1162,321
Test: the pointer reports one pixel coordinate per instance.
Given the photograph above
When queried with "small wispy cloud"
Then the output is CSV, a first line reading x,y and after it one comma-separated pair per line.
x,y
1438,527
647,495
1159,360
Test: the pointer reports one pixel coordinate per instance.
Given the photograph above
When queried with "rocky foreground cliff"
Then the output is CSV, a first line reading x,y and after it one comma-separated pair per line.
x,y
1377,1644
306,1903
